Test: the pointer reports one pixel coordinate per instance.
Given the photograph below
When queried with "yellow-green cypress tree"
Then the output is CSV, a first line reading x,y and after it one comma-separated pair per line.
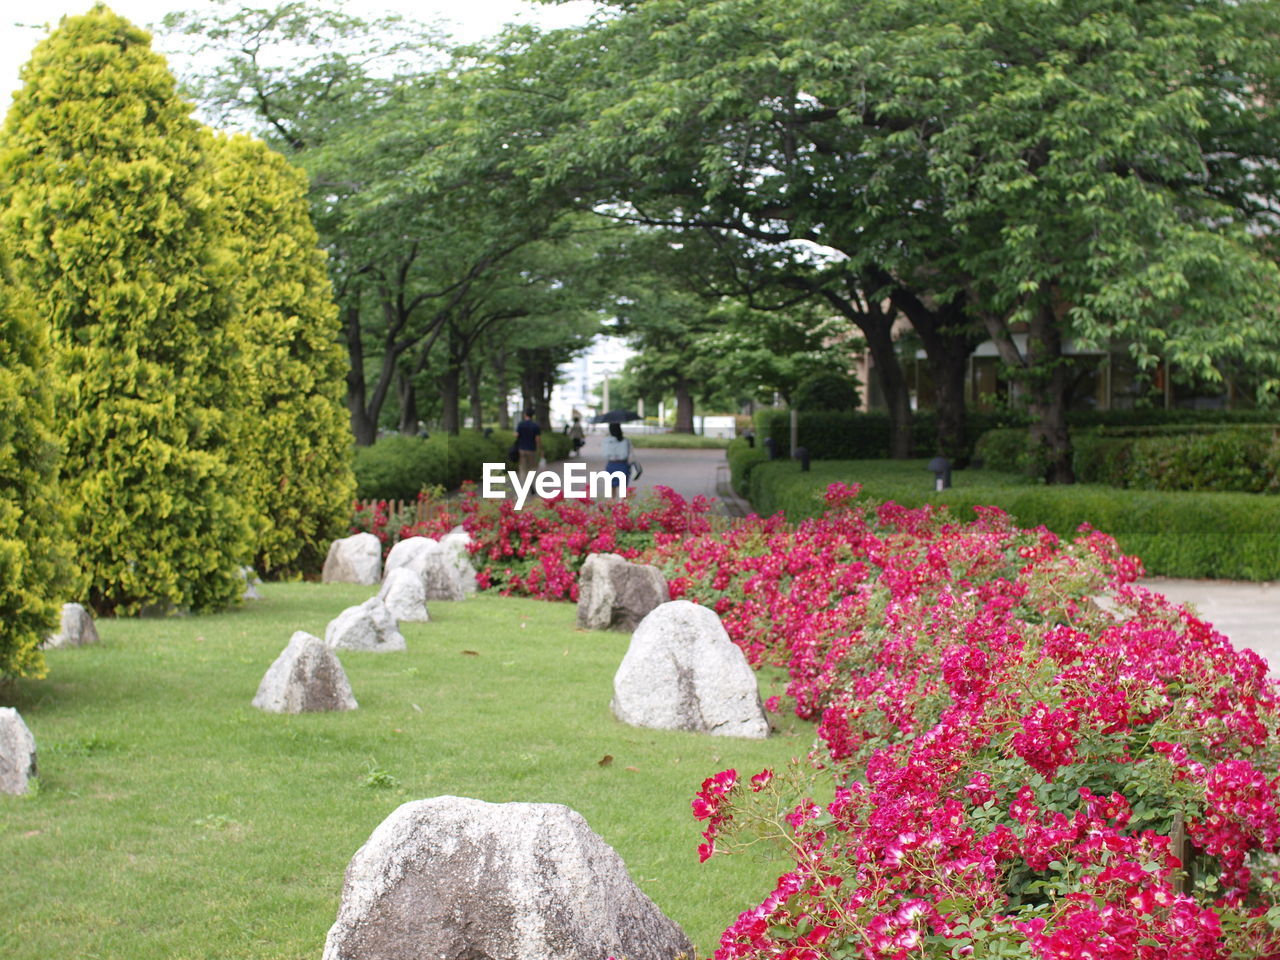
x,y
33,555
109,213
296,448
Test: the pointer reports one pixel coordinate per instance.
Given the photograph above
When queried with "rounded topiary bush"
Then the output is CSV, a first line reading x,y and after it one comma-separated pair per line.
x,y
826,391
397,467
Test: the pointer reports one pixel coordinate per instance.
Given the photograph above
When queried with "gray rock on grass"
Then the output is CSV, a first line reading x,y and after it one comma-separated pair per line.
x,y
369,626
682,672
354,559
17,752
456,879
615,594
434,563
410,552
405,595
76,628
305,678
457,543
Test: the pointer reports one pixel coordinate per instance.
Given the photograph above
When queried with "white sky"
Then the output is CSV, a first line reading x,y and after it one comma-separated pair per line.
x,y
467,20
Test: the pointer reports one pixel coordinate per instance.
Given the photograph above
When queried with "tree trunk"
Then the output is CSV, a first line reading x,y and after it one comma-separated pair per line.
x,y
1048,392
473,387
364,427
684,407
450,382
877,328
504,389
948,337
407,395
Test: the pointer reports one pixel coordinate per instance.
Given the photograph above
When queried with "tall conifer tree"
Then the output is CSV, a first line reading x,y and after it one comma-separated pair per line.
x,y
295,455
109,213
33,560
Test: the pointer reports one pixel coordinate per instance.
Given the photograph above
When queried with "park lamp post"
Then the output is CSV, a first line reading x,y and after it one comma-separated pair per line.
x,y
941,469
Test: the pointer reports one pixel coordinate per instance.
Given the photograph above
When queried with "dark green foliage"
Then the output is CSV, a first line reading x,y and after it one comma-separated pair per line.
x,y
1213,535
854,435
826,391
1191,457
398,467
32,545
110,218
742,460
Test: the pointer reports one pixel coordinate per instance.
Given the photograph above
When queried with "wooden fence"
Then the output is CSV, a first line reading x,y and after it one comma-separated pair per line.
x,y
413,511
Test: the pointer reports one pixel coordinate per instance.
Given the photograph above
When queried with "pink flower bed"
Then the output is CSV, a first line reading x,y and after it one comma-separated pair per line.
x,y
1003,767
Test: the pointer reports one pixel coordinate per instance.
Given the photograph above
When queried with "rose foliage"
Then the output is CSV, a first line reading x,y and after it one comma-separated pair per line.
x,y
1019,752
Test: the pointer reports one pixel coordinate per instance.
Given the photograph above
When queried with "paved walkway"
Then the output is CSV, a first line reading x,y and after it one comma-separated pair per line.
x,y
1248,613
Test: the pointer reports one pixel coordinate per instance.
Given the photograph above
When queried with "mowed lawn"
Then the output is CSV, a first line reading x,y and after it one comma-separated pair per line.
x,y
173,820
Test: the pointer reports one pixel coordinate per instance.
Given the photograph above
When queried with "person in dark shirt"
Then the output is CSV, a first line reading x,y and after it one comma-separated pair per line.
x,y
529,443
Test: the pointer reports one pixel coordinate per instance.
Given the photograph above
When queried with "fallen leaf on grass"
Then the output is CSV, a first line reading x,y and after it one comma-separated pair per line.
x,y
471,653
605,760
633,769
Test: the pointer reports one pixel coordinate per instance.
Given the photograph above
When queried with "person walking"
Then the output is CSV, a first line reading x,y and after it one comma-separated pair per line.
x,y
576,436
529,444
617,458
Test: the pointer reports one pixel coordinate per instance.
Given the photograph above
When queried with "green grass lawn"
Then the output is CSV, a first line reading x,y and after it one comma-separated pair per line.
x,y
678,441
173,820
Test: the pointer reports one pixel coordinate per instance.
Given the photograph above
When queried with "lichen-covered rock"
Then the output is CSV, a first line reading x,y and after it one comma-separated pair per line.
x,y
615,594
305,678
682,672
409,552
369,626
76,628
17,752
354,559
405,595
457,543
457,879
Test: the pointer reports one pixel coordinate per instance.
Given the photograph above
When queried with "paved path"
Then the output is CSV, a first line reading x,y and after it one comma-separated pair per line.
x,y
1248,613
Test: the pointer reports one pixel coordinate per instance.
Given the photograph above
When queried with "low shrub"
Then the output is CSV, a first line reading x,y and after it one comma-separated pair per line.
x,y
742,460
854,435
826,391
677,441
1197,457
398,467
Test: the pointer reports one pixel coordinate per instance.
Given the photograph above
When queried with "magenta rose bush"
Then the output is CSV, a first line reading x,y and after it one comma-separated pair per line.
x,y
1018,752
1004,767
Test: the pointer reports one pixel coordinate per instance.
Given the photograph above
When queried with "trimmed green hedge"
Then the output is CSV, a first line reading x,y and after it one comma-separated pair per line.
x,y
742,460
398,467
1244,459
848,435
1232,536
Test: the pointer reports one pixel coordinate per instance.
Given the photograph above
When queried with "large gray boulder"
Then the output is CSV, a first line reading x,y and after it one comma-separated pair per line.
x,y
615,594
434,563
354,559
17,752
369,626
76,628
682,672
410,552
457,543
405,595
457,879
305,678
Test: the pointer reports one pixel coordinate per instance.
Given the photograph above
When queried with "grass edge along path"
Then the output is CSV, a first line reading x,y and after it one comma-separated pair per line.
x,y
173,820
